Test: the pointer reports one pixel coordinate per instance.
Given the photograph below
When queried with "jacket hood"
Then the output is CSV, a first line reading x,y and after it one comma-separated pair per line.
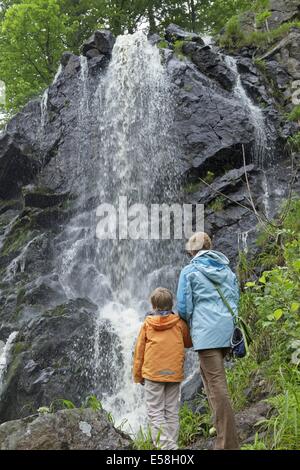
x,y
162,322
212,264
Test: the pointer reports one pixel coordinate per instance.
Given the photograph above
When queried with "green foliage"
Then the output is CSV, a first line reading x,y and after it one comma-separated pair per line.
x,y
294,142
93,402
217,204
233,35
262,17
32,38
178,49
257,445
283,427
294,115
234,38
192,425
270,303
163,44
143,440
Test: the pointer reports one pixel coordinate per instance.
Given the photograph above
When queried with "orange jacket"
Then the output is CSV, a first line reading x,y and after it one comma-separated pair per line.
x,y
159,350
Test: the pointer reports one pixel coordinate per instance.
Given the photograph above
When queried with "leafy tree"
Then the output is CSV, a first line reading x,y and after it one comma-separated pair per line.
x,y
32,37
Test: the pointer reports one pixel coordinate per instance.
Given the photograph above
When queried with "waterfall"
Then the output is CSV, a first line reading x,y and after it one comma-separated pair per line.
x,y
5,355
130,154
261,149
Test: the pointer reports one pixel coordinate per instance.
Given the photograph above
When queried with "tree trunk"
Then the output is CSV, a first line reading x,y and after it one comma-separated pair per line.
x,y
193,15
151,17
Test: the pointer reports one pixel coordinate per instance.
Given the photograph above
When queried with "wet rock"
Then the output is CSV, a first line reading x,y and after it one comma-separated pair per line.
x,y
65,58
190,391
175,33
102,40
211,64
17,166
54,357
78,429
42,198
283,11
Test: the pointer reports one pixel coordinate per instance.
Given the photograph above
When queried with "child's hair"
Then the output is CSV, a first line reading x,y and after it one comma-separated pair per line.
x,y
162,299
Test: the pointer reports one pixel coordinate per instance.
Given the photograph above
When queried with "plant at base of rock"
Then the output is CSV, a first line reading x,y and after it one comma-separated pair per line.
x,y
217,204
283,427
257,444
192,425
143,440
263,18
162,44
68,404
178,49
233,33
191,188
294,142
294,115
239,380
209,177
44,409
93,402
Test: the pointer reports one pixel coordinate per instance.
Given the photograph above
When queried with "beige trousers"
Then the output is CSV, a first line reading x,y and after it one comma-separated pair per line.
x,y
162,401
215,385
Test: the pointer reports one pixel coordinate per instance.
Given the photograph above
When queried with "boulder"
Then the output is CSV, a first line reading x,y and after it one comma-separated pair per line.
x,y
42,197
175,33
76,429
190,391
283,11
103,41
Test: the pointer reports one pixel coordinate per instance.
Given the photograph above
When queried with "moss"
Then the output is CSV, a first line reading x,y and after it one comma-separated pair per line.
x,y
162,44
234,38
58,311
178,45
294,115
19,235
20,347
294,142
192,187
217,204
188,88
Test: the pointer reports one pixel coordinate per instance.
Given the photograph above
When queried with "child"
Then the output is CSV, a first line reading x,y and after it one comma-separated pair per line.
x,y
158,364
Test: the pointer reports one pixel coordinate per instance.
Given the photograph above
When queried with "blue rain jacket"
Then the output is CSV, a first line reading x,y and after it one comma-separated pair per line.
x,y
199,303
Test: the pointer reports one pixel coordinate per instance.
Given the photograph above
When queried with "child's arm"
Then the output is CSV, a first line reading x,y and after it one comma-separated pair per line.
x,y
187,340
138,359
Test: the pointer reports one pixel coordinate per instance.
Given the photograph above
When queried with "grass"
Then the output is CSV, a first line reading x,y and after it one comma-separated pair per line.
x,y
218,204
294,115
235,38
192,425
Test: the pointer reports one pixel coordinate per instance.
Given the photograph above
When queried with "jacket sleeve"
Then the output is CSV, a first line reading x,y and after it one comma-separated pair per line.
x,y
139,353
181,296
187,340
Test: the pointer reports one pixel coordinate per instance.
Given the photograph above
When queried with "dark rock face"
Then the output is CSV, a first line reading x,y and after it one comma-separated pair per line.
x,y
101,41
77,429
175,33
42,176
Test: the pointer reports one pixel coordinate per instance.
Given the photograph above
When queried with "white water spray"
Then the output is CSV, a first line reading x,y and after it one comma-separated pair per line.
x,y
262,149
5,356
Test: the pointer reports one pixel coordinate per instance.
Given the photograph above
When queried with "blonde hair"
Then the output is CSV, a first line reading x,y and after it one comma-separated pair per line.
x,y
199,241
162,299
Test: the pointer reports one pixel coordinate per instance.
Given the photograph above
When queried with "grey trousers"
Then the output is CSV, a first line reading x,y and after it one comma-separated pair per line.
x,y
162,401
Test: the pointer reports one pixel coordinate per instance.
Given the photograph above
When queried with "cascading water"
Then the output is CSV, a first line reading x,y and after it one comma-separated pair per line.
x,y
5,354
130,154
262,150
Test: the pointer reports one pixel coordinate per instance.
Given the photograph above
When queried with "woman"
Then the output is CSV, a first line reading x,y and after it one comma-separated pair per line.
x,y
211,325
